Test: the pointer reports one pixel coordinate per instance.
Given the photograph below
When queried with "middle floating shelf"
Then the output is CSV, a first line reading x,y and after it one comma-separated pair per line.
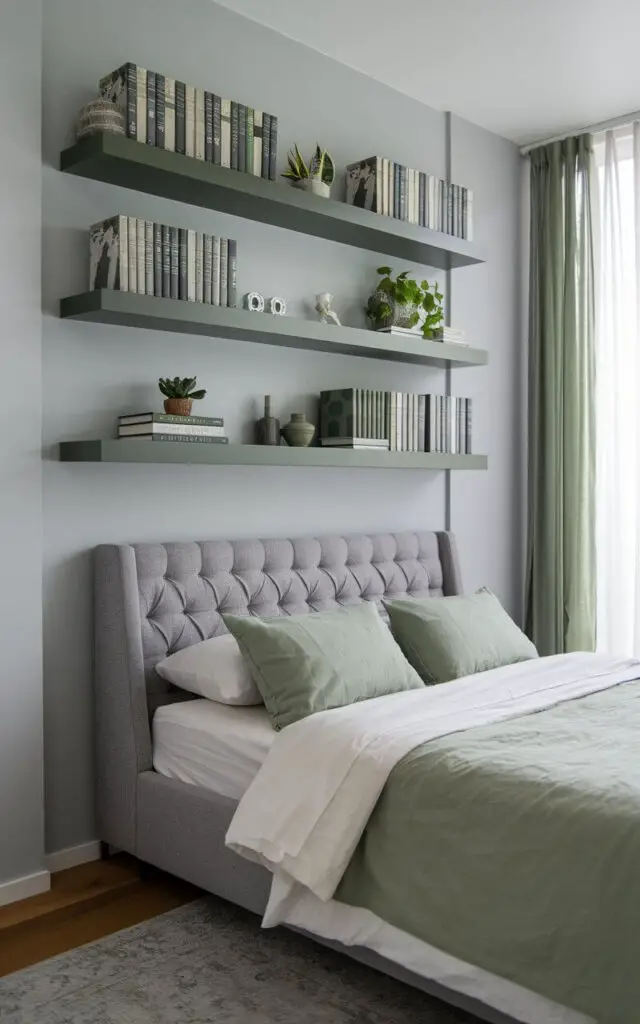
x,y
126,309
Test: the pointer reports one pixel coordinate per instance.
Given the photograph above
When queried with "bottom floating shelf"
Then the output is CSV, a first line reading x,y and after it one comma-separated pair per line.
x,y
257,455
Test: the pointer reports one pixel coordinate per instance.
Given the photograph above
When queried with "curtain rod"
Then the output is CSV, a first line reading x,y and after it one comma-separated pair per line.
x,y
602,126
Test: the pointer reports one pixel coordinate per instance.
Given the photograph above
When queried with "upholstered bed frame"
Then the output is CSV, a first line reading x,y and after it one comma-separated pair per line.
x,y
154,599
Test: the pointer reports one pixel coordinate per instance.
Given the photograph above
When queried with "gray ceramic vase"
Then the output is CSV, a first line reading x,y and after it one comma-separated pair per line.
x,y
297,432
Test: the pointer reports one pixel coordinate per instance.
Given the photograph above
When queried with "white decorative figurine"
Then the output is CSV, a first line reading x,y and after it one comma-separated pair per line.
x,y
323,307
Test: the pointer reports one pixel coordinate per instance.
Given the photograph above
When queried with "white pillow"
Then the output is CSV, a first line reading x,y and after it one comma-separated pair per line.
x,y
214,669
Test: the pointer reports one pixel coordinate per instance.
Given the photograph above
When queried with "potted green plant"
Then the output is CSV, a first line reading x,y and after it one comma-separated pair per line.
x,y
402,302
179,394
317,177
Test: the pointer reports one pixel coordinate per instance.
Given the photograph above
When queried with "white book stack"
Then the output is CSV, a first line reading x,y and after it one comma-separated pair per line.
x,y
450,335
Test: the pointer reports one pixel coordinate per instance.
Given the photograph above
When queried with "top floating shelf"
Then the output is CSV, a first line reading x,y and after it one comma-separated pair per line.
x,y
130,164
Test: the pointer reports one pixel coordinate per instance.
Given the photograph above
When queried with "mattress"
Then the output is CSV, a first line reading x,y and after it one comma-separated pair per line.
x,y
211,745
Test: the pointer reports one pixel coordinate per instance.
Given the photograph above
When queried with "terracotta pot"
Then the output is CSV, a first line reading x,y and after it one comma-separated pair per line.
x,y
178,406
297,432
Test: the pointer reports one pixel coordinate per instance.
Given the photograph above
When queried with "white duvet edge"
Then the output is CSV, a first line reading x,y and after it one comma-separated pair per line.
x,y
355,926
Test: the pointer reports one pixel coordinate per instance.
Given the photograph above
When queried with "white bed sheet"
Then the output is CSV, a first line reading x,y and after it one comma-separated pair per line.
x,y
221,748
212,745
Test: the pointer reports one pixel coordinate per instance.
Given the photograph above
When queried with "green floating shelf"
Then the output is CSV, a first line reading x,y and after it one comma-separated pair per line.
x,y
130,164
127,309
172,452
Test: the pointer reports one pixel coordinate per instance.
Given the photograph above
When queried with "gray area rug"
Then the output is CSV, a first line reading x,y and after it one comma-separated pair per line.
x,y
211,962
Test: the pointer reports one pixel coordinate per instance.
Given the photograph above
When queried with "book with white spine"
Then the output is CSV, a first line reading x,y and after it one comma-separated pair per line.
x,y
199,267
207,263
199,127
132,232
148,257
170,114
224,271
141,104
190,120
141,254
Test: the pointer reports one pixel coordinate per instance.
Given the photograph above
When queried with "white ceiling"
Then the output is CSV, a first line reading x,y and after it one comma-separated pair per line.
x,y
525,69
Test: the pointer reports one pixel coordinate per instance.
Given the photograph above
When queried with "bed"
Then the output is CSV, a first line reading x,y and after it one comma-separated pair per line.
x,y
169,797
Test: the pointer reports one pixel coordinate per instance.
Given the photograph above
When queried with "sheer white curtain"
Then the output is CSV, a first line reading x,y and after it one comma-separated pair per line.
x,y
618,391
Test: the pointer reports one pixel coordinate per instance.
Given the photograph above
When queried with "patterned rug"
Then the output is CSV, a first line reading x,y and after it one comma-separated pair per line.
x,y
210,963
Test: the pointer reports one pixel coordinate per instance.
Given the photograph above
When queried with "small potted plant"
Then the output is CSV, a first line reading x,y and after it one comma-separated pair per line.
x,y
179,394
317,177
405,303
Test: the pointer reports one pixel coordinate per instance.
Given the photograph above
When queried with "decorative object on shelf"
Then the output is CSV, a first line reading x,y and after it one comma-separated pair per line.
x,y
405,303
134,255
297,432
268,427
168,114
393,190
254,302
180,394
100,116
277,306
318,177
323,308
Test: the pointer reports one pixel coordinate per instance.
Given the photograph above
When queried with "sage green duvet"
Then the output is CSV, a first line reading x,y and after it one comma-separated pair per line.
x,y
516,847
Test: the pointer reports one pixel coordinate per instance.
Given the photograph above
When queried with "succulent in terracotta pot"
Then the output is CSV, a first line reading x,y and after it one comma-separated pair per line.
x,y
180,394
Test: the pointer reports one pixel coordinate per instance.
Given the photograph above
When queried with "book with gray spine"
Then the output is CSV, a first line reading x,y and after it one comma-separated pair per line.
x,y
141,254
224,271
148,257
170,114
207,264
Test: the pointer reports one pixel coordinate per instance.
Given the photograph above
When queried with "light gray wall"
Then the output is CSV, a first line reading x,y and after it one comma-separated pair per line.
x,y
92,373
21,798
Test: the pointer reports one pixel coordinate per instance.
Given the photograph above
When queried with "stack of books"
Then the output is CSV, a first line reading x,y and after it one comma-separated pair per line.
x,y
450,335
135,255
395,420
160,426
393,190
166,113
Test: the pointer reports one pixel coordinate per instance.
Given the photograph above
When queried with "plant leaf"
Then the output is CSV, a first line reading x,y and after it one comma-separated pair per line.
x,y
383,270
197,395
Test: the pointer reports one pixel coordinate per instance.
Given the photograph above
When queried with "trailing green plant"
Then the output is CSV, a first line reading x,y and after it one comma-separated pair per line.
x,y
321,166
180,387
405,291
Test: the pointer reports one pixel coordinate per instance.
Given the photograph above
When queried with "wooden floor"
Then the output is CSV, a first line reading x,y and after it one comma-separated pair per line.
x,y
85,903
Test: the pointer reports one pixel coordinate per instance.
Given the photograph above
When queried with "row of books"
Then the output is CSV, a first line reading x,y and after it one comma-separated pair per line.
x,y
395,420
160,426
393,190
164,112
135,255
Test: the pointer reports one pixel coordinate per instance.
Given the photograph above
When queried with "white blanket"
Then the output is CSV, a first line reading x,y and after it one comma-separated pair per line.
x,y
306,809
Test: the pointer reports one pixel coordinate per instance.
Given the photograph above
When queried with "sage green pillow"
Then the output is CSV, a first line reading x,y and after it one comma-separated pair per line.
x,y
307,663
446,638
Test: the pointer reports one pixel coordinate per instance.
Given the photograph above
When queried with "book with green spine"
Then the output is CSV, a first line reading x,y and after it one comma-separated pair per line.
x,y
164,417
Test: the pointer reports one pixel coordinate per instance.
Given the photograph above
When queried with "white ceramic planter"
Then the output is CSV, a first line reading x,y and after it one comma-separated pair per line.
x,y
314,185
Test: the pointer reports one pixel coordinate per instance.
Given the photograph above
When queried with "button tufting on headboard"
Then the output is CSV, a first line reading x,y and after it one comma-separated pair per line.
x,y
184,588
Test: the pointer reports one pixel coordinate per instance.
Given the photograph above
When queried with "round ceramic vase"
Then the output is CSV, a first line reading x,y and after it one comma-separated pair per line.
x,y
297,432
401,313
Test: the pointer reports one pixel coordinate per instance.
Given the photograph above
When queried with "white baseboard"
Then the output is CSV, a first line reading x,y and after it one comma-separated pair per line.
x,y
72,856
21,888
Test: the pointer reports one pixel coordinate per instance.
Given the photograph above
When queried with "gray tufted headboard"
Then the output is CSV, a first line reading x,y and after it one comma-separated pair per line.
x,y
154,599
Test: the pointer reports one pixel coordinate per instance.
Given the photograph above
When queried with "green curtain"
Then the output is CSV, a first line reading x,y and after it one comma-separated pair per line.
x,y
561,561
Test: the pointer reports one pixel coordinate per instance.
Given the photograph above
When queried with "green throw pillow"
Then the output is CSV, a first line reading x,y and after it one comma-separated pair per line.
x,y
445,638
307,663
